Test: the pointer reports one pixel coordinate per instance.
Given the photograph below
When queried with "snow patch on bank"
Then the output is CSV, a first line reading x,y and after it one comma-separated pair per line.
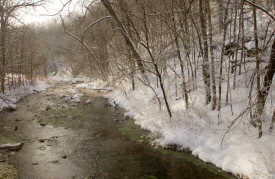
x,y
202,130
98,84
12,96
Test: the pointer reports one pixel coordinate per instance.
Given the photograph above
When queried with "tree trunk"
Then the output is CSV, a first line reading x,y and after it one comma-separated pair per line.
x,y
222,56
258,119
184,90
127,38
272,122
263,93
221,14
205,65
213,76
3,51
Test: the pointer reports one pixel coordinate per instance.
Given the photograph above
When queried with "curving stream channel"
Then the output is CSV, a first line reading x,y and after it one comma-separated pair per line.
x,y
64,139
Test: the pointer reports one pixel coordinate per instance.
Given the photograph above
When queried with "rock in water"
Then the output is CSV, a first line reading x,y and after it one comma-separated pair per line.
x,y
36,91
41,140
16,146
12,107
48,108
88,101
43,125
18,120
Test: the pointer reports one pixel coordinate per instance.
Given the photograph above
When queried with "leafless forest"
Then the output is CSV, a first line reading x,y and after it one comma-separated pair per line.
x,y
137,39
178,49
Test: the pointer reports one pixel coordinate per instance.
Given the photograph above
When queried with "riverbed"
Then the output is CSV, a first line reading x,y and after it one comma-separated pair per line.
x,y
65,139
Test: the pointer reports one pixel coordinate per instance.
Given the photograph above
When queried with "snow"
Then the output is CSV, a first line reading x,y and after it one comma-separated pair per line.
x,y
12,96
88,101
77,97
65,76
13,106
73,95
98,84
73,91
201,130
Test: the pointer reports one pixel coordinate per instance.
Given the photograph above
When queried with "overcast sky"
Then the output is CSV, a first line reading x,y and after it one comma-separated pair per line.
x,y
42,14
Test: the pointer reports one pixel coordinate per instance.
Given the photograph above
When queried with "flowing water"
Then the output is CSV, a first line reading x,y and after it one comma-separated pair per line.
x,y
64,140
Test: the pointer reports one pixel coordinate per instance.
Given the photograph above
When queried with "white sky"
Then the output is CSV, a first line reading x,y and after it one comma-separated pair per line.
x,y
41,15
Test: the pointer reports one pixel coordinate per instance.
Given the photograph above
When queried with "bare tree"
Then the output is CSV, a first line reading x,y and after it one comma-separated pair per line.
x,y
205,66
7,10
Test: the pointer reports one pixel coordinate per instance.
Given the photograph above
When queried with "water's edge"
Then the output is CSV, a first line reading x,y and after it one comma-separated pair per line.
x,y
134,132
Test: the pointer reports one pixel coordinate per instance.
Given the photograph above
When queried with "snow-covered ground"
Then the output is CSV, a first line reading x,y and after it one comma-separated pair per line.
x,y
11,97
200,129
203,131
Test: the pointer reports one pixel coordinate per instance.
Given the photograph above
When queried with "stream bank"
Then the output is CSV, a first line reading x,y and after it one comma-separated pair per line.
x,y
65,138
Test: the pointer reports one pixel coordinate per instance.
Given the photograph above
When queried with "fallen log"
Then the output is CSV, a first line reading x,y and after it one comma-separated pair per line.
x,y
16,146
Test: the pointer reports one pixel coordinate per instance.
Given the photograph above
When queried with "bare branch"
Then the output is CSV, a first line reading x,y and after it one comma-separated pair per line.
x,y
93,23
261,8
85,45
